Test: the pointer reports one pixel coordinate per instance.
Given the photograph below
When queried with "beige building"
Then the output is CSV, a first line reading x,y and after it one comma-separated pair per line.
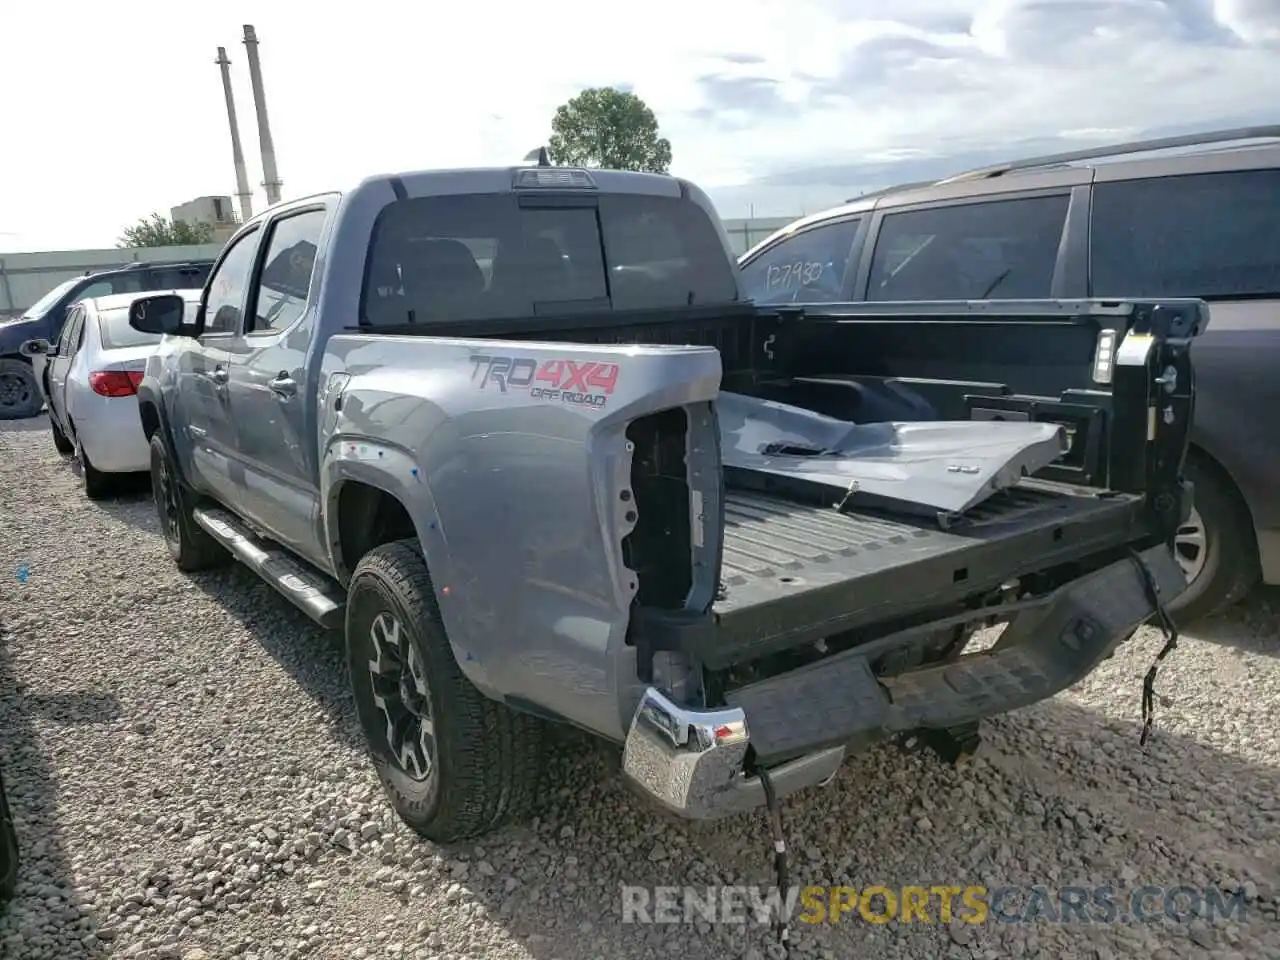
x,y
216,211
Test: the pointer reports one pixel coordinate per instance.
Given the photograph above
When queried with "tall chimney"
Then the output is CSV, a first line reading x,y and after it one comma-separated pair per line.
x,y
270,179
237,155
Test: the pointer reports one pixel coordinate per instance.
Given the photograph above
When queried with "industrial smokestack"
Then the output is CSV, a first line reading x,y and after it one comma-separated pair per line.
x,y
270,179
237,155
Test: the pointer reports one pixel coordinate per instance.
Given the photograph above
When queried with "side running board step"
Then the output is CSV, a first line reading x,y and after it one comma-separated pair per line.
x,y
314,594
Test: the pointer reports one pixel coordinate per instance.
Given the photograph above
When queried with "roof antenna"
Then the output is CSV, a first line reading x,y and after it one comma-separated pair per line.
x,y
540,155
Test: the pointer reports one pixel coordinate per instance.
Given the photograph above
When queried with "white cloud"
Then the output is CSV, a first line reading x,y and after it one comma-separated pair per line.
x,y
778,106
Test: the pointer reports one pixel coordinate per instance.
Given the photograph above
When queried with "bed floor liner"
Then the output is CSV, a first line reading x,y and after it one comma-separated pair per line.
x,y
796,572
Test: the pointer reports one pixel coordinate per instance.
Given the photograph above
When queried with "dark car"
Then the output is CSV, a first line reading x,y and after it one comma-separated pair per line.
x,y
20,395
1192,216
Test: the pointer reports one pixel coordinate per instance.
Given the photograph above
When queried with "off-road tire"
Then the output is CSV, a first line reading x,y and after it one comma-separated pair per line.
x,y
488,758
191,545
97,485
31,402
60,441
1231,552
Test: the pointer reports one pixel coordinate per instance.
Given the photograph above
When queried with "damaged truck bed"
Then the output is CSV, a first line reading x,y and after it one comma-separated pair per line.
x,y
795,572
859,556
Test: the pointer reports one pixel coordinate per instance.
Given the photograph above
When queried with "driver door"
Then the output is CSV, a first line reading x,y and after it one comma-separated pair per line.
x,y
59,366
209,456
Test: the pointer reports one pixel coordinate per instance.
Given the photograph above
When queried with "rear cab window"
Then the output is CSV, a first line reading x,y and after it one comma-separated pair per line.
x,y
1005,249
1207,235
487,256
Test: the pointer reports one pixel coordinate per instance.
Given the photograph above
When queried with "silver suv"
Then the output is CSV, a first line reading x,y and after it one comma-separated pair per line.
x,y
1190,216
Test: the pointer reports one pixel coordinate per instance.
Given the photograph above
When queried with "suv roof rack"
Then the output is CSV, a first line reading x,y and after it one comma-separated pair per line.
x,y
1270,131
144,264
896,188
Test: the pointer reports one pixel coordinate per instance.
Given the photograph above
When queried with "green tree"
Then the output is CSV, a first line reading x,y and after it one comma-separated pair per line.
x,y
604,127
156,231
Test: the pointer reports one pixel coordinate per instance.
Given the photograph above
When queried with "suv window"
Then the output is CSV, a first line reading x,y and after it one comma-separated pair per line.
x,y
486,256
117,283
178,278
286,275
995,248
806,267
1202,235
227,286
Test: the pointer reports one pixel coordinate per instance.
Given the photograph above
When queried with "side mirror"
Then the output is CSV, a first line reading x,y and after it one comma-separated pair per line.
x,y
36,348
162,314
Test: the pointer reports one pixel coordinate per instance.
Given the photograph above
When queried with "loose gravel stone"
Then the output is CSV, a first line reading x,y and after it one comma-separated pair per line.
x,y
189,782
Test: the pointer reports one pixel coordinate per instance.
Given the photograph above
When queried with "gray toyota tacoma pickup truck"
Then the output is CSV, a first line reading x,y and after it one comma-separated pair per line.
x,y
519,435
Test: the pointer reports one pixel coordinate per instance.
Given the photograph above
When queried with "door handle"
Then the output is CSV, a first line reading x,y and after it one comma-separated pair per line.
x,y
218,375
283,385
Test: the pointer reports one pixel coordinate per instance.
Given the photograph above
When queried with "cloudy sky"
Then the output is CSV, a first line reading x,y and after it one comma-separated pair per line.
x,y
776,108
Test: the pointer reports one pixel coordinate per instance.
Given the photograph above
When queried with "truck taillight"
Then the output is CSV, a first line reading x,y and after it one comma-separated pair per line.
x,y
115,383
1104,356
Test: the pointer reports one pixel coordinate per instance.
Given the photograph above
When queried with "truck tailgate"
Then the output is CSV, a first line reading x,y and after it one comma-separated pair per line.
x,y
795,572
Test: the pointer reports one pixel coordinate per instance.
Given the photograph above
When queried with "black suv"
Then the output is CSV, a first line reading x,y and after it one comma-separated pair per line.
x,y
1190,216
20,395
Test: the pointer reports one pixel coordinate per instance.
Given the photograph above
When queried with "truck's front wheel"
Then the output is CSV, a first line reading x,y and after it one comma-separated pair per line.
x,y
454,764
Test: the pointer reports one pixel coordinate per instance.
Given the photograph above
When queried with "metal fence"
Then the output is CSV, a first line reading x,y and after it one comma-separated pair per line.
x,y
26,277
745,234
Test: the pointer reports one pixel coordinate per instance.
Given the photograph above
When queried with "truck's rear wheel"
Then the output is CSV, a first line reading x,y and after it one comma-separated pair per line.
x,y
190,545
453,763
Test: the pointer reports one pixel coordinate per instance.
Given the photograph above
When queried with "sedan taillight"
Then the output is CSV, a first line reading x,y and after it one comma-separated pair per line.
x,y
115,383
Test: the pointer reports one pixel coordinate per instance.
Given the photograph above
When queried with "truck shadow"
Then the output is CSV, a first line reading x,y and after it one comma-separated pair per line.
x,y
1047,776
1251,626
313,658
45,870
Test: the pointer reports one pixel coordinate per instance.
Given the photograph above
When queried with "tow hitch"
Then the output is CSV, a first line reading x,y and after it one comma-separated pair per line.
x,y
953,745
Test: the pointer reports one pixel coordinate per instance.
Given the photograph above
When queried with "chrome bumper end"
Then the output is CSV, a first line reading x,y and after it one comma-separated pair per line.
x,y
690,761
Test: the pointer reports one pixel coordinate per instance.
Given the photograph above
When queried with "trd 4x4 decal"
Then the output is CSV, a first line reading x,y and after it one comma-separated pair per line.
x,y
581,382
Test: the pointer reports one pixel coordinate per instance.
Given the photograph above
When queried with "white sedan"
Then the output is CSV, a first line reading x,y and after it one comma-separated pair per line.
x,y
90,382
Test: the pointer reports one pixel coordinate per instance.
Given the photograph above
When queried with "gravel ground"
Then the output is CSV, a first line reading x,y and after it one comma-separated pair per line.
x,y
189,782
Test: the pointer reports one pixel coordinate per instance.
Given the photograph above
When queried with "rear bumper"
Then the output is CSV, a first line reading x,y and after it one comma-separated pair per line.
x,y
798,724
110,429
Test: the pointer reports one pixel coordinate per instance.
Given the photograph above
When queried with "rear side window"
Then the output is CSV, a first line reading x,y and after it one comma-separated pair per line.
x,y
71,331
1204,235
1004,249
806,267
471,257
